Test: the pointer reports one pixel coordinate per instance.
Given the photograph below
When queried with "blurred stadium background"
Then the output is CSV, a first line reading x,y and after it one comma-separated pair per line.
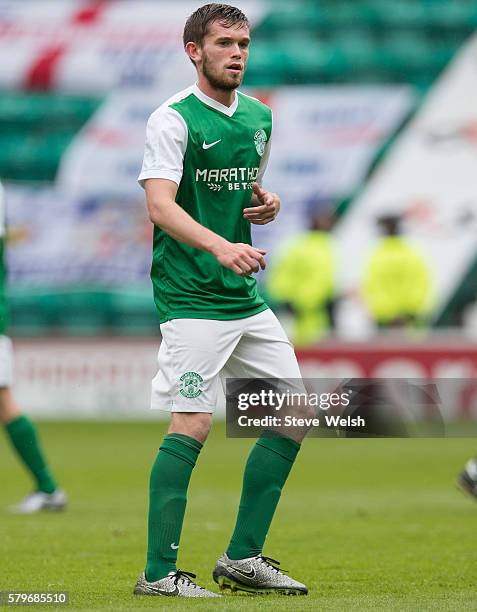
x,y
375,117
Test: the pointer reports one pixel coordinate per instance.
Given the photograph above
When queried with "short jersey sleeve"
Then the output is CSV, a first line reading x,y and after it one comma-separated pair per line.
x,y
166,143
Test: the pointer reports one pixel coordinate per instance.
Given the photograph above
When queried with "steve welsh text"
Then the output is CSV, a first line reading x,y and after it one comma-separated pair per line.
x,y
292,421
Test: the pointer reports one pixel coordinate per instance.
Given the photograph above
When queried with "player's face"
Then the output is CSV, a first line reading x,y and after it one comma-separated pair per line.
x,y
224,56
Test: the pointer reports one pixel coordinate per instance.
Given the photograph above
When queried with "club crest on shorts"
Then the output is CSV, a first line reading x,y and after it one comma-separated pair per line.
x,y
189,385
260,140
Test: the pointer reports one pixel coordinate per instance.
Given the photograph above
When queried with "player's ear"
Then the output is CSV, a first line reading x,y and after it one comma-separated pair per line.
x,y
194,51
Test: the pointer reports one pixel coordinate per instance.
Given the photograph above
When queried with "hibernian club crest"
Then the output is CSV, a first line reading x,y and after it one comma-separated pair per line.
x,y
189,385
260,140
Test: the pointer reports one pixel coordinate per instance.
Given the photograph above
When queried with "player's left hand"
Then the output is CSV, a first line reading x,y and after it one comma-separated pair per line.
x,y
267,208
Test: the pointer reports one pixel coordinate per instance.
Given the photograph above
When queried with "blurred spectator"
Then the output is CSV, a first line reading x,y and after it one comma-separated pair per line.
x,y
397,280
302,276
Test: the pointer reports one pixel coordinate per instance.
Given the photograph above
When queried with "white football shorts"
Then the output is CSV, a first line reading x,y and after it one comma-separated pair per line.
x,y
197,355
6,362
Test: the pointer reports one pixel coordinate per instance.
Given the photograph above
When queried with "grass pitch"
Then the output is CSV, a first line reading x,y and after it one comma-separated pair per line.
x,y
366,524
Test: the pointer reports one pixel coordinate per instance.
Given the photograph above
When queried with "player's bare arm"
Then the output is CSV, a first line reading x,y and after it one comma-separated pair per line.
x,y
265,206
175,221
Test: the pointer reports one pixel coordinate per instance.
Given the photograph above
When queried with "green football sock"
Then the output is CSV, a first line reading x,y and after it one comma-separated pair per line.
x,y
266,471
170,478
23,436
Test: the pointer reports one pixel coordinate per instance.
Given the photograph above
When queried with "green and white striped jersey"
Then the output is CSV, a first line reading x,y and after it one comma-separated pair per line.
x,y
214,153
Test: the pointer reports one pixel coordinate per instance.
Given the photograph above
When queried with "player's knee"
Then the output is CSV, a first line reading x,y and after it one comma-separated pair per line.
x,y
194,424
8,408
303,410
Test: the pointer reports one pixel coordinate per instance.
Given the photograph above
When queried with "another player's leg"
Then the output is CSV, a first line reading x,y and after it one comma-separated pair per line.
x,y
24,439
467,479
169,482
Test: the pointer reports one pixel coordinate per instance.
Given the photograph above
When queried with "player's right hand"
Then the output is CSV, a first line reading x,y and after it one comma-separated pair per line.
x,y
242,259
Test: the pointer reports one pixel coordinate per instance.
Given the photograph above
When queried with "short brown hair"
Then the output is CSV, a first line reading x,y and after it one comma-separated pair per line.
x,y
197,25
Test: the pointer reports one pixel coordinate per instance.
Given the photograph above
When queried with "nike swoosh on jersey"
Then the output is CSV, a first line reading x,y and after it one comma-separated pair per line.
x,y
174,547
207,146
166,593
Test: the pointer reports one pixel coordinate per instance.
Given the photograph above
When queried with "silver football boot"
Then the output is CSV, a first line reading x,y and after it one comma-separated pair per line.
x,y
39,501
467,479
175,584
255,575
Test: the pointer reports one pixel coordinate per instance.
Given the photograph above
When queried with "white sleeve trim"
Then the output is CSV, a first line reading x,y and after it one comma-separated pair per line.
x,y
166,144
157,173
